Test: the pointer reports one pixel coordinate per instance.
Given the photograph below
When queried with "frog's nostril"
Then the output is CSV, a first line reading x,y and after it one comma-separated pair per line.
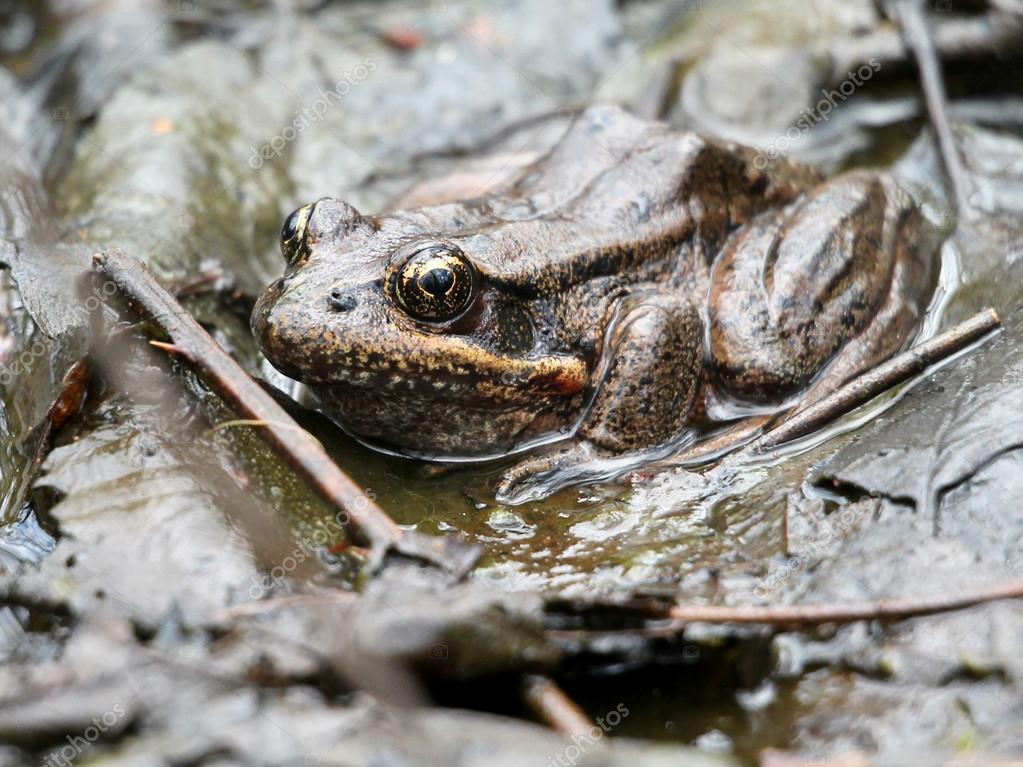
x,y
341,301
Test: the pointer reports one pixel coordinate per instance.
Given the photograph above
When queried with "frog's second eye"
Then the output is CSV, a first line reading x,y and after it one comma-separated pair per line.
x,y
436,284
293,234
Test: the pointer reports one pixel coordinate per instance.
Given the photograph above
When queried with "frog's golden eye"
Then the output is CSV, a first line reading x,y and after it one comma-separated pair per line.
x,y
436,284
293,234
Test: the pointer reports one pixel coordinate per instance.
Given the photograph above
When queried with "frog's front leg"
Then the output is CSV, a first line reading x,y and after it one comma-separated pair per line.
x,y
647,381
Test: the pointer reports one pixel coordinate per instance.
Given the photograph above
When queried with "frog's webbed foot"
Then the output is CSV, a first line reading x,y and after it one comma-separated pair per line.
x,y
578,462
541,475
641,406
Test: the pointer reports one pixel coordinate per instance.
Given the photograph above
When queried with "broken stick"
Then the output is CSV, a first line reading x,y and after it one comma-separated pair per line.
x,y
365,522
554,707
898,369
911,17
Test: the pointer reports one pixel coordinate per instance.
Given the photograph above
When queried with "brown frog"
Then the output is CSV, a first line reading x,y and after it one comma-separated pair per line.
x,y
594,304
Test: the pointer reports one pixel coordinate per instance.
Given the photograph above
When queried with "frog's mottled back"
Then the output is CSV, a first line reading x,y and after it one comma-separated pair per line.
x,y
593,299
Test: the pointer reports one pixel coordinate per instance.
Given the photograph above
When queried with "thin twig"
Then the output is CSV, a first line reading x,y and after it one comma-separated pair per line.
x,y
816,615
365,522
911,19
656,620
845,399
898,369
554,707
711,448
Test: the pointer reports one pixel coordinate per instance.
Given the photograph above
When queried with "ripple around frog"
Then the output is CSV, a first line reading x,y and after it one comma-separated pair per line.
x,y
680,521
699,517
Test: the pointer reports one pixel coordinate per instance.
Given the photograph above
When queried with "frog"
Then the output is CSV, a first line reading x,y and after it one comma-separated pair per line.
x,y
622,295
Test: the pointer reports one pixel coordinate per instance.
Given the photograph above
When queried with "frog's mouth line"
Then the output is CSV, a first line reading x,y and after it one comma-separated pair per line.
x,y
501,379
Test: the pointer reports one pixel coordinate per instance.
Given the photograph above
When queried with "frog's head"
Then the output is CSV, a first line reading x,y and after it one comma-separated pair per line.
x,y
405,339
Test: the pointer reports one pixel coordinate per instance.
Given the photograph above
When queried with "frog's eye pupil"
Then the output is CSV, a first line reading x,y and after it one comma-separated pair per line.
x,y
437,282
290,228
293,234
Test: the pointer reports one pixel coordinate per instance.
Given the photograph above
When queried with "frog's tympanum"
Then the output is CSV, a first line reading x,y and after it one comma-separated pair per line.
x,y
595,304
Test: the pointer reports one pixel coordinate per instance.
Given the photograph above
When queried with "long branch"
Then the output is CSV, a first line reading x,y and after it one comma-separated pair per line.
x,y
365,521
815,615
911,17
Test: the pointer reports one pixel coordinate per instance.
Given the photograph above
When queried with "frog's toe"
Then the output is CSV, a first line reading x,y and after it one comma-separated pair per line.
x,y
576,463
540,476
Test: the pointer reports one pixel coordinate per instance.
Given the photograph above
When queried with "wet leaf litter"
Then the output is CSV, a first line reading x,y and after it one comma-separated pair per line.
x,y
117,500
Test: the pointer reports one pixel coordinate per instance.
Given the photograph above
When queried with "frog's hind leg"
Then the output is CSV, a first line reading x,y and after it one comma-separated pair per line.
x,y
886,334
823,290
